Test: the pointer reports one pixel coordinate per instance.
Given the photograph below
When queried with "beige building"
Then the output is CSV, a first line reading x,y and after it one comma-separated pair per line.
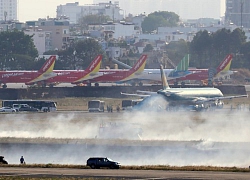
x,y
56,32
59,36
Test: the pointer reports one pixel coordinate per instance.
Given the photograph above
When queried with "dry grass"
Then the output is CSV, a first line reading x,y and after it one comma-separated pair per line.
x,y
149,167
49,178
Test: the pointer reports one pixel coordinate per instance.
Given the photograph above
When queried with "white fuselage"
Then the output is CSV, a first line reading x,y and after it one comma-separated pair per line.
x,y
153,74
190,93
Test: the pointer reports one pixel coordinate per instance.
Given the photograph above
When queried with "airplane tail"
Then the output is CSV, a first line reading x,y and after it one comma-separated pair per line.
x,y
91,71
181,69
48,66
184,63
164,79
225,64
139,65
94,65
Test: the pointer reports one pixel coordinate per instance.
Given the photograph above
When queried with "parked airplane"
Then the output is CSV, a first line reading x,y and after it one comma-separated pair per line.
x,y
153,75
203,74
198,98
28,77
118,75
146,75
76,76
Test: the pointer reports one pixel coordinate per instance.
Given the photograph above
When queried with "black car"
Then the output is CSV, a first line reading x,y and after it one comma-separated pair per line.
x,y
98,162
2,161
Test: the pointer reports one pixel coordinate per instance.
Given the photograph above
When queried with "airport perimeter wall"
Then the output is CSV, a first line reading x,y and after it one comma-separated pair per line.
x,y
101,91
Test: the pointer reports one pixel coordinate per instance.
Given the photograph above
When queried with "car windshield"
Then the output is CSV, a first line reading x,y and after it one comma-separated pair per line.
x,y
109,159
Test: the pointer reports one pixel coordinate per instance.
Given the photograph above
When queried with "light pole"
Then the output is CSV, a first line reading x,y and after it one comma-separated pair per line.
x,y
74,60
241,12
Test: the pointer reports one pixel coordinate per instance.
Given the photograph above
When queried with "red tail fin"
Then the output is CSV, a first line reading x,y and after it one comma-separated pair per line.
x,y
48,66
139,65
225,64
94,65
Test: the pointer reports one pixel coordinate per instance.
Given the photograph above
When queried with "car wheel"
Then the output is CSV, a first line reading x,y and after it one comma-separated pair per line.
x,y
4,162
13,111
112,167
92,166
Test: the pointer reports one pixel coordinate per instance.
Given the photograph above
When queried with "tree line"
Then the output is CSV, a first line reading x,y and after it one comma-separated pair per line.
x,y
208,49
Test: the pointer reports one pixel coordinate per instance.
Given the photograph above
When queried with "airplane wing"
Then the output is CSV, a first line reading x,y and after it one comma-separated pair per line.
x,y
146,92
167,93
138,95
227,97
203,99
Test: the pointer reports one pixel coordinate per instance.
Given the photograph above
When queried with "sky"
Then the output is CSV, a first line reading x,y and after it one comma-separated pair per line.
x,y
34,9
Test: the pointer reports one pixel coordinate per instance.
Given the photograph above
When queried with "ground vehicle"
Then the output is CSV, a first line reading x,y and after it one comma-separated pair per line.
x,y
129,103
96,105
26,107
2,161
42,105
97,162
7,109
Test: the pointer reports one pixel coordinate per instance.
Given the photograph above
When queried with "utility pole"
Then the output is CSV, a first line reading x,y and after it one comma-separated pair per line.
x,y
241,12
5,16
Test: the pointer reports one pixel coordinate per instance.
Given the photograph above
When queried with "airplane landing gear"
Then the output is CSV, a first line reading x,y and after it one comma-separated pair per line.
x,y
51,85
96,84
89,84
43,85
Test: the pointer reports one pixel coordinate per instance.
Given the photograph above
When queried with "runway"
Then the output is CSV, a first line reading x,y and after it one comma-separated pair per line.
x,y
119,174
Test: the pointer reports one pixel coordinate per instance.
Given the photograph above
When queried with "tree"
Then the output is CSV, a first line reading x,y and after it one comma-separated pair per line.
x,y
176,50
243,57
92,19
159,19
208,50
15,49
238,38
199,47
80,54
148,48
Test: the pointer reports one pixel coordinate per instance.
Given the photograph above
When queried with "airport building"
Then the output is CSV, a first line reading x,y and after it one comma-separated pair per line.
x,y
8,10
238,12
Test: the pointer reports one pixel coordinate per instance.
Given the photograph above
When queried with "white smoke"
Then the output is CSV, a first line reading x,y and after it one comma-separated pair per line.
x,y
216,138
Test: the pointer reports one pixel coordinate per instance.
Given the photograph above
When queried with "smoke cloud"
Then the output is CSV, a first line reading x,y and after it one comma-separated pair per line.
x,y
149,137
